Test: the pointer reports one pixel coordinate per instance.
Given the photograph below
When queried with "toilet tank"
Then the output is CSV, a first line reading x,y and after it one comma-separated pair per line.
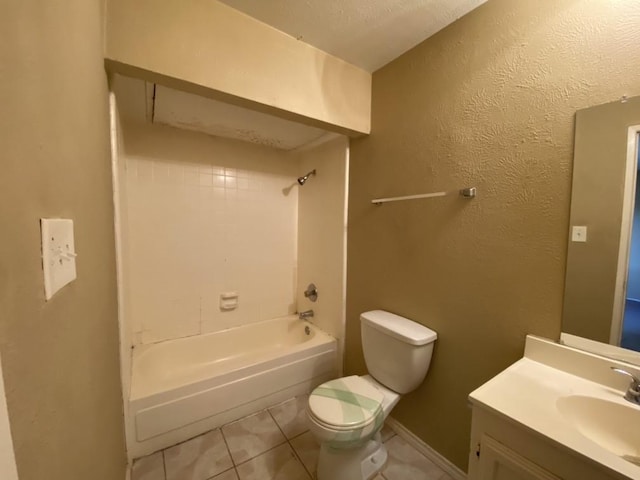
x,y
397,350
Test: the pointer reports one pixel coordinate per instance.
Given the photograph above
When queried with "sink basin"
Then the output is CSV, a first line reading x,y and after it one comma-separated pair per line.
x,y
613,426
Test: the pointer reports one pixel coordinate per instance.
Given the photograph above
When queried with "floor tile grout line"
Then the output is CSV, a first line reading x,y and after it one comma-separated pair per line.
x,y
256,456
275,420
163,450
164,465
286,440
233,462
191,438
261,453
277,425
220,473
390,437
224,438
295,453
443,474
299,435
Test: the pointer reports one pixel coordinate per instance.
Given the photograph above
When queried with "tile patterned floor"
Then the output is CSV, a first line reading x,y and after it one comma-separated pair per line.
x,y
274,444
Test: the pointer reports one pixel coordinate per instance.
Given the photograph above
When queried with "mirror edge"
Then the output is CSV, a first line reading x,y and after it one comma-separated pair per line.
x,y
599,348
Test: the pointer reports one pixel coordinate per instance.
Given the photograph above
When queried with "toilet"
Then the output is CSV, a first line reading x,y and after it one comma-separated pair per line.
x,y
345,415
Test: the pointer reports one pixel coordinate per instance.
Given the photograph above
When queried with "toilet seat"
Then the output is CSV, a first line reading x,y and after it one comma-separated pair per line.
x,y
346,404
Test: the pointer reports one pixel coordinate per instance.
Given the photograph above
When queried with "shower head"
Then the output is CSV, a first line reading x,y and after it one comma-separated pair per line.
x,y
301,180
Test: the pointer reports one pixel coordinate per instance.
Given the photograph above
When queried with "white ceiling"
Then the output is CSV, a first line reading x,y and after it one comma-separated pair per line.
x,y
366,33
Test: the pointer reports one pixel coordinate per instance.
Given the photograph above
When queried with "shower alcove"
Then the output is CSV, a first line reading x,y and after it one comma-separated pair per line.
x,y
216,244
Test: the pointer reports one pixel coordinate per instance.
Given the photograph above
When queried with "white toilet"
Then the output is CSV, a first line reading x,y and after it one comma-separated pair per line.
x,y
346,415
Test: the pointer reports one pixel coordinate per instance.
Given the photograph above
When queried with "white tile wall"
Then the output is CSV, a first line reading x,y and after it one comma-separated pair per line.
x,y
206,216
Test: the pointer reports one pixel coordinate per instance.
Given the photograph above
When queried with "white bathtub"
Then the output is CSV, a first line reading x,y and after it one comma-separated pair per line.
x,y
182,388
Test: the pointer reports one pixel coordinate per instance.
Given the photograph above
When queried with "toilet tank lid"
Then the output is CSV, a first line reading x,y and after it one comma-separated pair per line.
x,y
399,327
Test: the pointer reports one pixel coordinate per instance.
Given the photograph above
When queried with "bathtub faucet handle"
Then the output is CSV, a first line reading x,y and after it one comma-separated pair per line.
x,y
311,292
305,315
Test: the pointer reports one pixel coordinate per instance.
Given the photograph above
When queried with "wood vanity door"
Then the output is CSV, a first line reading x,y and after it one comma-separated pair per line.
x,y
498,462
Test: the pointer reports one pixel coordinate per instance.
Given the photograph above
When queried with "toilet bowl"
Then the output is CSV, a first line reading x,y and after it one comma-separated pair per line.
x,y
345,415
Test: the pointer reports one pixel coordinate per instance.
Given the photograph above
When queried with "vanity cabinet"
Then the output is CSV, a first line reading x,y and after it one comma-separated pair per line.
x,y
557,413
499,462
504,450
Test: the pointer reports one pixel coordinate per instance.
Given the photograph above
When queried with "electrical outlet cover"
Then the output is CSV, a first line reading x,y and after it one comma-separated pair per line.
x,y
58,254
579,233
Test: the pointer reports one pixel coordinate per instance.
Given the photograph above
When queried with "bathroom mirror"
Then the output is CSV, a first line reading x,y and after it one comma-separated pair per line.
x,y
602,287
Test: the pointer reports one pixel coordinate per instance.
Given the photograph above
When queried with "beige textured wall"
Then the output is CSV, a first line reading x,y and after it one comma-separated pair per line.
x,y
596,201
489,102
60,358
208,48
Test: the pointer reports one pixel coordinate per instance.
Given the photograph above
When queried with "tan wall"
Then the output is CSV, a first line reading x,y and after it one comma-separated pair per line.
x,y
596,201
211,49
487,102
60,358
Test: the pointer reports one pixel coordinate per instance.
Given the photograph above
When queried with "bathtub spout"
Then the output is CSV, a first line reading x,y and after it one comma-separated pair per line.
x,y
305,315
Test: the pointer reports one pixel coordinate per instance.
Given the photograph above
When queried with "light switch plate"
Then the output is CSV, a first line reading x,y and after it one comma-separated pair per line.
x,y
578,233
58,254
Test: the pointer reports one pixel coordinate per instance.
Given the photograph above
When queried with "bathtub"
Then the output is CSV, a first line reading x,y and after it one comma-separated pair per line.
x,y
182,388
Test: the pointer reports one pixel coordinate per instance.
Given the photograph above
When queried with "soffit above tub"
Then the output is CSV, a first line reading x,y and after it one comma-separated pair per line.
x,y
140,101
365,33
201,114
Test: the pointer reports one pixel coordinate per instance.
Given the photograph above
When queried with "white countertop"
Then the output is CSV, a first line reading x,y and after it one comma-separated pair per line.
x,y
528,390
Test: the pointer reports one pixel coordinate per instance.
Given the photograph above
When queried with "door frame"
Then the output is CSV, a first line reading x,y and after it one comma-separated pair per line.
x,y
631,172
8,469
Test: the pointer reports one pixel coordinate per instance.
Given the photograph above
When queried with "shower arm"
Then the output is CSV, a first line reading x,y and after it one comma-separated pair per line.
x,y
302,180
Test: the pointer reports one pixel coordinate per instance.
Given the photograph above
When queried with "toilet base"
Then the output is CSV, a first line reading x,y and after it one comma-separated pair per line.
x,y
360,463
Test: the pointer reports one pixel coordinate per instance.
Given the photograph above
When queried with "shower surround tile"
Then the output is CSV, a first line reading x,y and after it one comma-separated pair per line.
x,y
199,458
291,416
277,464
252,436
206,215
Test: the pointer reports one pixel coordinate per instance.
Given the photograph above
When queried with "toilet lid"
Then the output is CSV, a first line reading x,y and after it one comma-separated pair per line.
x,y
347,402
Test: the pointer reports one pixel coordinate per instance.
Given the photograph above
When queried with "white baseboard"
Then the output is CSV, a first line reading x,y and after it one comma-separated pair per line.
x,y
403,432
